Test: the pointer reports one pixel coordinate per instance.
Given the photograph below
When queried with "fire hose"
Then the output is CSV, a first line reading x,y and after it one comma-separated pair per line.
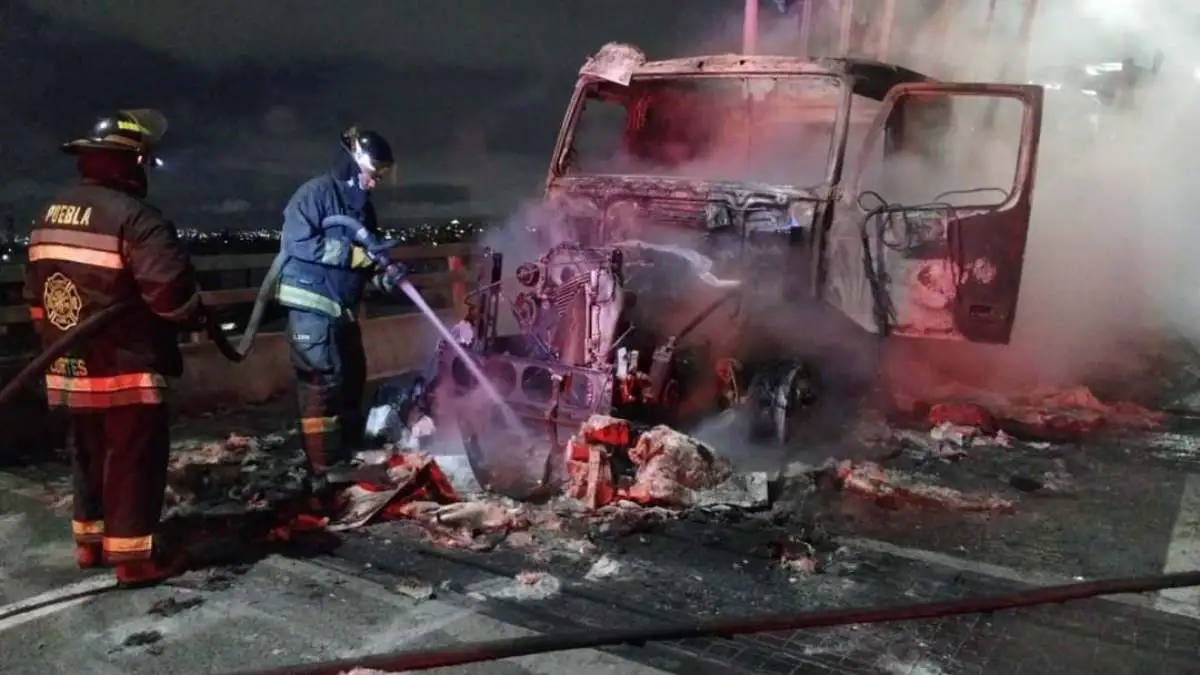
x,y
376,249
727,628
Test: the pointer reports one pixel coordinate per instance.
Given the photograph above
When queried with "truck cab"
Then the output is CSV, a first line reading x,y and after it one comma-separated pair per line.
x,y
707,219
903,201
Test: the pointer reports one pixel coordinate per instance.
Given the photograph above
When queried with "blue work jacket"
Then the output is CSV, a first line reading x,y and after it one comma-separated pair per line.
x,y
317,276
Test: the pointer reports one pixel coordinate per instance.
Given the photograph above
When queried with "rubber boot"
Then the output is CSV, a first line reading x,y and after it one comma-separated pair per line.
x,y
322,493
164,563
89,556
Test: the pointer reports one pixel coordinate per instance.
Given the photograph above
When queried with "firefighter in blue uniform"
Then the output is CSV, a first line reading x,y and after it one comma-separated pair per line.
x,y
321,285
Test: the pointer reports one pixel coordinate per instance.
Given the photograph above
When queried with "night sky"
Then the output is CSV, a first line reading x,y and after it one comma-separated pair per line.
x,y
469,91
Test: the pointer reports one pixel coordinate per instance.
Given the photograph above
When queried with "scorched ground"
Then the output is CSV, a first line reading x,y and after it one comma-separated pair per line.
x,y
947,512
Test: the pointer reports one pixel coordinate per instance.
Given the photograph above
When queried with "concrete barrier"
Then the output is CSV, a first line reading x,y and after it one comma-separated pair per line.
x,y
394,344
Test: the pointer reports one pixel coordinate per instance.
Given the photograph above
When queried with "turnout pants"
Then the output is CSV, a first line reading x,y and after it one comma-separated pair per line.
x,y
331,376
119,459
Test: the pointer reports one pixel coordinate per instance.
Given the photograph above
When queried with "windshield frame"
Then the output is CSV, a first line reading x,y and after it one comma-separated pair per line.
x,y
835,153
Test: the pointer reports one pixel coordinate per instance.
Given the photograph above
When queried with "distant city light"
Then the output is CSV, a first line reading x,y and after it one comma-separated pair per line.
x,y
425,233
210,242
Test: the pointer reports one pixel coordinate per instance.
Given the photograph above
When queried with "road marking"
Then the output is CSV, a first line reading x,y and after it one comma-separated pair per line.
x,y
91,584
955,563
1183,553
1145,601
33,615
52,601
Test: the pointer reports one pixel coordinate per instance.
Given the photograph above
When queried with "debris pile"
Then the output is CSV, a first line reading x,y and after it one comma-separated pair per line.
x,y
893,490
400,415
795,554
622,478
413,486
611,460
417,491
948,442
235,475
1047,414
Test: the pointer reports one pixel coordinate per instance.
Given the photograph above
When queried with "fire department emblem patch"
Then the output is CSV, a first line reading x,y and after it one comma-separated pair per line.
x,y
62,301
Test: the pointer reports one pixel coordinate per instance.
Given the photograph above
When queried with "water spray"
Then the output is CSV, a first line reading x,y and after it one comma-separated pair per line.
x,y
380,253
510,417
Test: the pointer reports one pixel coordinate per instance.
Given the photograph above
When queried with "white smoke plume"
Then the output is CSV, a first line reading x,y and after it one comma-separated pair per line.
x,y
1106,274
1106,270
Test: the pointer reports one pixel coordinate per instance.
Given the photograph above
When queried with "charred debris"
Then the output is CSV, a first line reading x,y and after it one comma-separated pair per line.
x,y
687,328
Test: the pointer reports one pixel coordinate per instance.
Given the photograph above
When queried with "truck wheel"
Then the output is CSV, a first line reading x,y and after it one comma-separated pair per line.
x,y
780,392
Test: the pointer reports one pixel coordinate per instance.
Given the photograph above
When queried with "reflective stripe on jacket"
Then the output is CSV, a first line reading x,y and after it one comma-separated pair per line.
x,y
317,276
105,392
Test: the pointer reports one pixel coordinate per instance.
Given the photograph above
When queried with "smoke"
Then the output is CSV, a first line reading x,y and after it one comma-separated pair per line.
x,y
1106,278
1105,270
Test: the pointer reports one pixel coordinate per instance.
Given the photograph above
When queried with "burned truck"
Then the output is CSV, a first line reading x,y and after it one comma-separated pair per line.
x,y
707,220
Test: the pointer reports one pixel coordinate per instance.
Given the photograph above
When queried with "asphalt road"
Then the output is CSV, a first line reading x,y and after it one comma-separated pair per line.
x,y
1081,512
274,613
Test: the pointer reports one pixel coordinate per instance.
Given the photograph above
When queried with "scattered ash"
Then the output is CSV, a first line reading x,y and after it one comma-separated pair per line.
x,y
524,586
234,475
171,606
211,579
143,638
414,588
941,490
1174,447
794,534
208,439
605,567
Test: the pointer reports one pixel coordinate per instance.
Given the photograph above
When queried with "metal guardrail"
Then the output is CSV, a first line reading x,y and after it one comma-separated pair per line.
x,y
455,279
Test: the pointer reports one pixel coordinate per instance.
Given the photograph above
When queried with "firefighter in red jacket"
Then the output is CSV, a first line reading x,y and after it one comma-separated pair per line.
x,y
98,245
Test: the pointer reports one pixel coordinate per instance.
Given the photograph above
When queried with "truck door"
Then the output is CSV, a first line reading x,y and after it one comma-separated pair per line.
x,y
944,214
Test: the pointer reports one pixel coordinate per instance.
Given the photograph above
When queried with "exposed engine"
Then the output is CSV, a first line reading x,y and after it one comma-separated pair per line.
x,y
586,344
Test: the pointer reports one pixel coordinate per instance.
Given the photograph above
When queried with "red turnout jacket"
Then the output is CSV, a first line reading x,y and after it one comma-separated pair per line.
x,y
92,248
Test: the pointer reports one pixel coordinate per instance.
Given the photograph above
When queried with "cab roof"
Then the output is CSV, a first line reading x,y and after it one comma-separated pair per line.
x,y
872,79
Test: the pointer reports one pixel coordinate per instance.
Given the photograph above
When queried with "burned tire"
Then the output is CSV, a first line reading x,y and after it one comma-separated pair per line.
x,y
780,393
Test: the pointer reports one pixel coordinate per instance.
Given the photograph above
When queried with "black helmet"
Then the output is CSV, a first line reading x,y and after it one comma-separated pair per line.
x,y
369,150
131,130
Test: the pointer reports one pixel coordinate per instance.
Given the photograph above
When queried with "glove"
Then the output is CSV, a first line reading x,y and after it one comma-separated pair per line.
x,y
389,279
360,258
